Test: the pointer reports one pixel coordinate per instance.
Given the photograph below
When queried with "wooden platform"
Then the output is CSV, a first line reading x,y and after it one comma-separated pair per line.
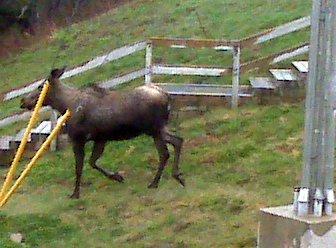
x,y
208,90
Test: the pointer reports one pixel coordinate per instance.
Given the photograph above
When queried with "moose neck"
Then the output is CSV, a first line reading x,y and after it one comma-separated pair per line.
x,y
61,97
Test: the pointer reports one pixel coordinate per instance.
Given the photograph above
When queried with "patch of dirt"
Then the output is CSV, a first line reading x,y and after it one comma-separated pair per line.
x,y
207,139
181,226
209,161
288,149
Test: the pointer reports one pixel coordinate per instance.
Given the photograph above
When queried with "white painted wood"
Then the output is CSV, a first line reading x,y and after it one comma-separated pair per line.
x,y
235,77
24,90
170,70
301,66
104,59
47,129
149,55
285,29
283,75
262,83
123,79
18,137
178,46
101,60
223,48
20,117
4,143
200,90
40,127
285,56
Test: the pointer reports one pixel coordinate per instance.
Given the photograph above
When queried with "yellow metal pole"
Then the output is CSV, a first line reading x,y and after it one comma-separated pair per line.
x,y
18,155
38,154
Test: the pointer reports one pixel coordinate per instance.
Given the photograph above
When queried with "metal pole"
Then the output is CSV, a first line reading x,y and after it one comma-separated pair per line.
x,y
20,151
235,76
149,54
319,139
38,154
53,120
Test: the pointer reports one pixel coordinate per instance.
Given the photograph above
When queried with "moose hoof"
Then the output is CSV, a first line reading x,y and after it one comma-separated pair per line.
x,y
75,195
180,179
117,177
153,185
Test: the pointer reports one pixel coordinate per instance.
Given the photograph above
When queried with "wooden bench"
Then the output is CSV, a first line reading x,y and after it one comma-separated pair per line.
x,y
6,153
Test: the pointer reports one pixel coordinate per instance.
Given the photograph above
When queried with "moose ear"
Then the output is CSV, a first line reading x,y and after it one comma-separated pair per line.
x,y
57,73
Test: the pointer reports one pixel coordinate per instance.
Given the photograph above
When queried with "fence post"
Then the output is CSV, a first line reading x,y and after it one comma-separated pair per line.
x,y
235,76
149,54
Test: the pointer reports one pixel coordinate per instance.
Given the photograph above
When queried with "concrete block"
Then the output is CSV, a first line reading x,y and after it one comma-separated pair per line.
x,y
280,227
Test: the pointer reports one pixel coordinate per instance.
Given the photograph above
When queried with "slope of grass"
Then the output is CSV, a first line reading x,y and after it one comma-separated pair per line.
x,y
230,19
233,162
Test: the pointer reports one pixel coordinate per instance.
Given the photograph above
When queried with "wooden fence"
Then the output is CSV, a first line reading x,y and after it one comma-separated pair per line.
x,y
224,45
233,46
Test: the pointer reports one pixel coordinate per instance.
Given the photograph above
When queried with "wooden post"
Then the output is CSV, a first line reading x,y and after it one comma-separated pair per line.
x,y
235,76
149,54
316,194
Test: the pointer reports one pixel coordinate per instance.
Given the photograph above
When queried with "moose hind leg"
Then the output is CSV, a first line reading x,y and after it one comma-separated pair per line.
x,y
78,149
162,149
98,149
176,142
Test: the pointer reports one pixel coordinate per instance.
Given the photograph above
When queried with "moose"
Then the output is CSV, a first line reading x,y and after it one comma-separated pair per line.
x,y
100,115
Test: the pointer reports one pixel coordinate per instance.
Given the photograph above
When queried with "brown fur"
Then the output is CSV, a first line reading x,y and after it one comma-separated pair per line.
x,y
100,115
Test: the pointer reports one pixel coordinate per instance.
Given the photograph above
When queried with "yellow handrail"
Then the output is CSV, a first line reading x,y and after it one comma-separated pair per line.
x,y
18,155
38,154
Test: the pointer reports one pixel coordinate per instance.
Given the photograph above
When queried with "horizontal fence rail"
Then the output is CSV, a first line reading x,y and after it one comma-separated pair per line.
x,y
101,60
21,117
203,90
276,32
112,83
275,58
192,43
189,71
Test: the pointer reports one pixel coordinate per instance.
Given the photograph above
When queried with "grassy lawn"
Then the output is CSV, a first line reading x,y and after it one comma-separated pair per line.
x,y
233,162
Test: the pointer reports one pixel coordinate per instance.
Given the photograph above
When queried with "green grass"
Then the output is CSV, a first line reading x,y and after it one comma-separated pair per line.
x,y
230,19
234,162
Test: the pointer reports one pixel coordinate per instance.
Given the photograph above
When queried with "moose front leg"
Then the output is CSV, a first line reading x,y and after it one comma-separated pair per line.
x,y
78,149
98,149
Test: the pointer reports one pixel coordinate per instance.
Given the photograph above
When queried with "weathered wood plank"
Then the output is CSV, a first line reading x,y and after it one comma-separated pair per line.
x,y
123,79
301,66
276,32
101,60
275,58
285,56
94,63
22,91
191,71
201,90
4,143
262,83
192,43
20,117
283,75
